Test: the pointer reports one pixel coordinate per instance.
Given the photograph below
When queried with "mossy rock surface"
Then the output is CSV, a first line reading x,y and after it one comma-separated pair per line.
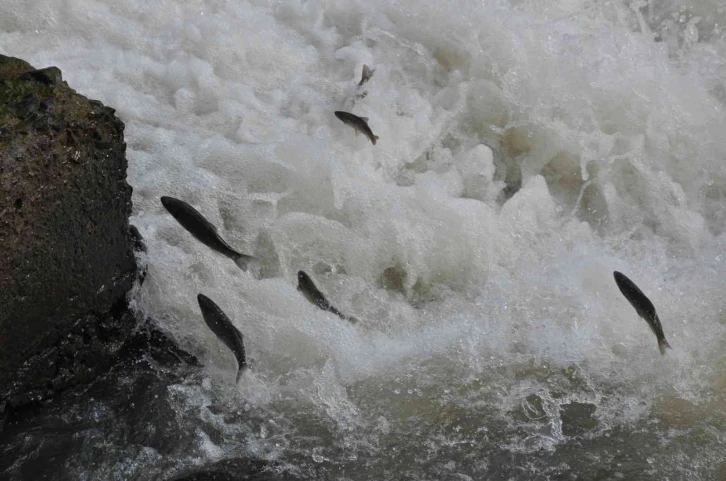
x,y
64,207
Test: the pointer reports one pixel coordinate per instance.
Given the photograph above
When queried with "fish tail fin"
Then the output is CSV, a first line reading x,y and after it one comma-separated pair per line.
x,y
373,139
662,345
240,372
249,263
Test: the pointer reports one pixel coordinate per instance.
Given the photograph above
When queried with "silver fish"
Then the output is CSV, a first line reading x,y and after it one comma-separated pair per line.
x,y
359,124
365,75
306,285
643,307
222,327
203,230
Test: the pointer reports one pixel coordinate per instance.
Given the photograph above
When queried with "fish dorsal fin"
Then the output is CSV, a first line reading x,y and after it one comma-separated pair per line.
x,y
364,119
365,75
211,226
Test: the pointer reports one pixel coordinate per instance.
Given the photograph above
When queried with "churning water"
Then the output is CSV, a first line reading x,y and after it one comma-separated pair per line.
x,y
527,149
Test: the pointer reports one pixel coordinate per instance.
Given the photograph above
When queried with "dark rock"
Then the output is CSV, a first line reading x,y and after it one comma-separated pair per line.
x,y
48,76
233,470
3,414
83,383
93,345
120,412
139,244
66,256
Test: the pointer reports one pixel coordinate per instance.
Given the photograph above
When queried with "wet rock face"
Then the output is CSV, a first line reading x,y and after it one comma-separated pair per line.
x,y
115,415
233,470
64,207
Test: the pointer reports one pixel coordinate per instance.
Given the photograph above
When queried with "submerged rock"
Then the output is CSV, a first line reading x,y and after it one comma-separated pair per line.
x,y
578,418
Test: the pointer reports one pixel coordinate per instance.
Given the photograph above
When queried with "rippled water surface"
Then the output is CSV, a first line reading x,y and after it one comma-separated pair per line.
x,y
527,149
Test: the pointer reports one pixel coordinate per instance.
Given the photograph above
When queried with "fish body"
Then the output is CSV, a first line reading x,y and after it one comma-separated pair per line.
x,y
308,288
643,307
359,124
365,75
222,327
203,230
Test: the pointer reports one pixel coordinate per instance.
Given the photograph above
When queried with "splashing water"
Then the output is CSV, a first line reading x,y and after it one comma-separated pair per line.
x,y
527,150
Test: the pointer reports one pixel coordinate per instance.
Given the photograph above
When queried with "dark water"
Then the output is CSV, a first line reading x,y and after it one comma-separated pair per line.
x,y
133,423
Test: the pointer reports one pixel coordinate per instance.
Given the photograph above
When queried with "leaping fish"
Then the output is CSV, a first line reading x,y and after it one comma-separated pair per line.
x,y
203,230
365,75
359,124
222,327
643,307
306,285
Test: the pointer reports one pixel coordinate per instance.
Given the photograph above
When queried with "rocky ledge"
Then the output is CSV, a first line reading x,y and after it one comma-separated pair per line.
x,y
78,371
67,260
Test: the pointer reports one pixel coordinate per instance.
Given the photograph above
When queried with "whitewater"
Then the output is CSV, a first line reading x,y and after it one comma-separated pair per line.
x,y
527,150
